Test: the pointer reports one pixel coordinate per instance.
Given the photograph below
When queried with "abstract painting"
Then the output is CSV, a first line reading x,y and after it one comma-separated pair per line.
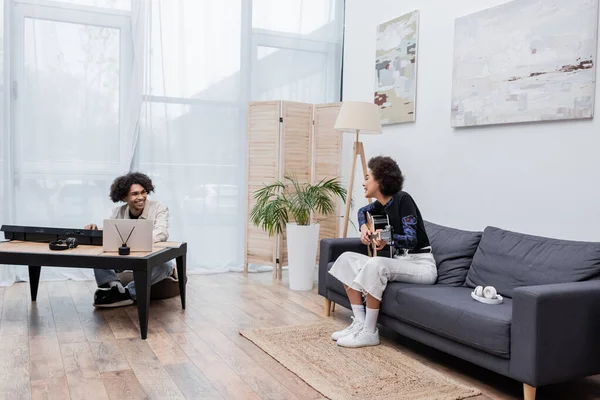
x,y
396,68
525,61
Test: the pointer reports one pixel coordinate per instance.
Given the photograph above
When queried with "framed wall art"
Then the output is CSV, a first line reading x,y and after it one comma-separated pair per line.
x,y
396,69
525,61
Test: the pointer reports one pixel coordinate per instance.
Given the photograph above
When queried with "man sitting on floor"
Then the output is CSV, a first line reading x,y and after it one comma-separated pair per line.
x,y
132,189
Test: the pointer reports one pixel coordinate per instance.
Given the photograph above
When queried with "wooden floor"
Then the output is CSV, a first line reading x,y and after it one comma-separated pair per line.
x,y
61,347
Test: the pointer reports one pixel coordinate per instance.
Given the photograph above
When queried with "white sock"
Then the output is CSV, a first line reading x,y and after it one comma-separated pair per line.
x,y
371,319
359,312
118,284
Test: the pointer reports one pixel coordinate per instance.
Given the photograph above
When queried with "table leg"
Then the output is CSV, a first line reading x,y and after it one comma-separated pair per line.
x,y
34,280
142,291
182,274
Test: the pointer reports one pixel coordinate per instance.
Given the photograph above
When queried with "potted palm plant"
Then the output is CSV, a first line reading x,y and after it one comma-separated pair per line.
x,y
277,202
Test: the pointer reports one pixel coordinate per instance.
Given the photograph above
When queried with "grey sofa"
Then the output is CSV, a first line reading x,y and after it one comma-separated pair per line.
x,y
546,331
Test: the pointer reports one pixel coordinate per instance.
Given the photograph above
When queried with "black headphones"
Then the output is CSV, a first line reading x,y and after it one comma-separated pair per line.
x,y
68,243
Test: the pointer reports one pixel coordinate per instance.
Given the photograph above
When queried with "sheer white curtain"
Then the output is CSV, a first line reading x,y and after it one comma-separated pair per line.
x,y
101,87
6,187
69,69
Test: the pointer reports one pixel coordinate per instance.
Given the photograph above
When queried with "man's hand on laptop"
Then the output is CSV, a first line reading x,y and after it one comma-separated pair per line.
x,y
91,226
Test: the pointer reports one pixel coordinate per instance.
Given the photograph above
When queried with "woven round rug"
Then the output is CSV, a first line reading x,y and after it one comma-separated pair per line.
x,y
377,372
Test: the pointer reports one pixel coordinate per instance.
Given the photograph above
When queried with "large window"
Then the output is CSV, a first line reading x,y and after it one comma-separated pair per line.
x,y
69,69
102,87
209,59
296,50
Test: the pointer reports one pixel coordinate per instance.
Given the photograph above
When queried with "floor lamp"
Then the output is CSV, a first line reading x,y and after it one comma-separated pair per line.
x,y
357,118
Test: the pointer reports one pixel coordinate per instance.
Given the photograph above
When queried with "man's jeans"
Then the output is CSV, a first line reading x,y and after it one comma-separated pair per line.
x,y
159,273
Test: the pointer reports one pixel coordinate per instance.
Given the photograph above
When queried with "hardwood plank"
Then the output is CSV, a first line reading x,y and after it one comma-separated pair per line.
x,y
108,356
14,311
251,372
229,310
169,316
50,389
289,313
45,360
82,295
199,312
165,349
83,378
1,307
221,376
192,382
296,298
92,320
14,305
155,380
312,295
123,385
283,375
40,316
196,353
96,327
160,342
14,367
137,351
66,319
259,314
120,324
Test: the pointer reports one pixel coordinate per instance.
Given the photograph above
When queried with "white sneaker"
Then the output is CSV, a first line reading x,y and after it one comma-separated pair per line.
x,y
354,327
361,338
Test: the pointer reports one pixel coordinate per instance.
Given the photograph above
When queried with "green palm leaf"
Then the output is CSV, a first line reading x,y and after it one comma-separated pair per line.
x,y
276,202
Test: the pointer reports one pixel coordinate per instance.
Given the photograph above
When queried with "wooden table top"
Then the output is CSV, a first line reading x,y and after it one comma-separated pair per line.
x,y
17,246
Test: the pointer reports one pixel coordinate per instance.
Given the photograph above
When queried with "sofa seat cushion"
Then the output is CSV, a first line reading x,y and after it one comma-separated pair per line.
x,y
507,260
450,312
391,290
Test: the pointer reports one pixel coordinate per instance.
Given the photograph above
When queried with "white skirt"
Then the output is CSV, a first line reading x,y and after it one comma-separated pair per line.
x,y
371,274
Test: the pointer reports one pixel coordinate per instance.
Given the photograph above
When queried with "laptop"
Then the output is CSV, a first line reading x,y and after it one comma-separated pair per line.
x,y
136,233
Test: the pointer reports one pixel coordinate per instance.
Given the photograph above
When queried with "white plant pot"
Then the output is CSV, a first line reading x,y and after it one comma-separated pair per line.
x,y
302,242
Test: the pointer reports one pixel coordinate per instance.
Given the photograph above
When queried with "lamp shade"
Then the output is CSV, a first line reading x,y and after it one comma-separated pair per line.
x,y
357,115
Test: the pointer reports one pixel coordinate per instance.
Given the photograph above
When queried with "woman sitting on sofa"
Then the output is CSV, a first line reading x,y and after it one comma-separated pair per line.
x,y
412,259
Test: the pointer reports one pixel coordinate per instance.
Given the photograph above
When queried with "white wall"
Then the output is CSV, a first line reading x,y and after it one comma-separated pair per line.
x,y
538,178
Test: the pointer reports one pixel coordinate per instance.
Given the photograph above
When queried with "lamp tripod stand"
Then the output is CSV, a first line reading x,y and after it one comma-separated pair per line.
x,y
355,117
357,151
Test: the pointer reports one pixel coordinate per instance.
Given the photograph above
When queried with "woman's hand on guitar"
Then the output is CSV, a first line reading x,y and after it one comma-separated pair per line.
x,y
379,243
365,235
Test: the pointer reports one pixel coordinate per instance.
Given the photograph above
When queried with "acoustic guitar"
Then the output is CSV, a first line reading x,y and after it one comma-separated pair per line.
x,y
374,223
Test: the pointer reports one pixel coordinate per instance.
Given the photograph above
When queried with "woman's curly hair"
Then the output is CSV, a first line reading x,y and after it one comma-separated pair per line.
x,y
386,171
121,185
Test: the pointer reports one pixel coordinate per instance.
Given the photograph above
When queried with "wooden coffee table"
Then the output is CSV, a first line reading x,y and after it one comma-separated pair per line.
x,y
35,255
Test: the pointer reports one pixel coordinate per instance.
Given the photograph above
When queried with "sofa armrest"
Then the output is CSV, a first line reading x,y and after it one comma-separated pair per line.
x,y
330,250
555,332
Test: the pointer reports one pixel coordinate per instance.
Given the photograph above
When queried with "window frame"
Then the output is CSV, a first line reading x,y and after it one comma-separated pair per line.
x,y
64,13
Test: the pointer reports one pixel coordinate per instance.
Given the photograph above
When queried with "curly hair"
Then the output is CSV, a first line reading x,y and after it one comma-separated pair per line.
x,y
386,171
121,185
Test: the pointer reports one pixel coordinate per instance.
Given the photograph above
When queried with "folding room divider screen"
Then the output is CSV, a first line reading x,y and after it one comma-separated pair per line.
x,y
289,138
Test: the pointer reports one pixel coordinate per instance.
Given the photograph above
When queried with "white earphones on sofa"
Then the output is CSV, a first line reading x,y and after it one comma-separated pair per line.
x,y
487,294
478,291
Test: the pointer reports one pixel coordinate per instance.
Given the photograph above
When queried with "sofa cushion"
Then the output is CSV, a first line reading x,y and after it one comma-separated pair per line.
x,y
453,250
450,312
507,260
391,290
